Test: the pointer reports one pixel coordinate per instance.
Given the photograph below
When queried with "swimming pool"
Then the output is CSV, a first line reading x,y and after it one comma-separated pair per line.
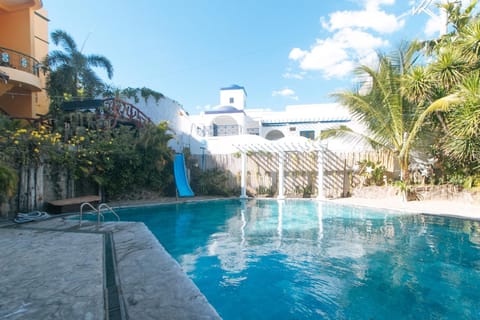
x,y
294,259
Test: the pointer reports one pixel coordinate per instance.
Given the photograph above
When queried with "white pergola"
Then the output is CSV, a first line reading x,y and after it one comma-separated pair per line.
x,y
280,147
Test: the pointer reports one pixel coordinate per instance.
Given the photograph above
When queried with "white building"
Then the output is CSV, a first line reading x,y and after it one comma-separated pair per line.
x,y
232,120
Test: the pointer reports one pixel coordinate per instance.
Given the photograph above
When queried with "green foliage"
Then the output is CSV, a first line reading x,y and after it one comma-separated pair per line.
x,y
8,181
382,105
453,64
307,191
70,71
472,182
262,190
117,160
211,182
372,172
147,92
130,93
122,159
156,167
28,146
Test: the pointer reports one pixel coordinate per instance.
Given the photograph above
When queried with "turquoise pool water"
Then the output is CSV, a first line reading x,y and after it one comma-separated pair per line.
x,y
265,259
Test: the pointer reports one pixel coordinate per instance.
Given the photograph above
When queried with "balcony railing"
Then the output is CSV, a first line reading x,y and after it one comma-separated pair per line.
x,y
20,61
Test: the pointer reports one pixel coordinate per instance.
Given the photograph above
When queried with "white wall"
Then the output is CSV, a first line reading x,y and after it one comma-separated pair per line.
x,y
240,99
166,109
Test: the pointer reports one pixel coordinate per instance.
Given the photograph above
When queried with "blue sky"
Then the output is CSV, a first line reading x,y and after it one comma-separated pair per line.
x,y
283,52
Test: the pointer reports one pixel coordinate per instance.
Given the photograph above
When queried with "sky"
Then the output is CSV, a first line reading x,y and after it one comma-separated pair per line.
x,y
282,52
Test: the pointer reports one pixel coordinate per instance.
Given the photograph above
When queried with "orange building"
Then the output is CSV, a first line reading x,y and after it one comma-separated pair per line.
x,y
23,45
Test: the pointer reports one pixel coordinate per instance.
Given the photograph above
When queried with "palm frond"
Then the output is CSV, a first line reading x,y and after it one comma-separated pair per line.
x,y
56,58
101,62
60,37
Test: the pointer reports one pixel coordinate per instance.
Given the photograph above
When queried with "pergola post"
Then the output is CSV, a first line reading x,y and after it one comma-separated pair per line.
x,y
281,189
243,182
320,155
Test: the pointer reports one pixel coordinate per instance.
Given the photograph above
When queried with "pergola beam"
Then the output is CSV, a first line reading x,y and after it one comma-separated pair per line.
x,y
281,147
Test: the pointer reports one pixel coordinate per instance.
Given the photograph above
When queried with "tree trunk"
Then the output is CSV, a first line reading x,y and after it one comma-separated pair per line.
x,y
404,162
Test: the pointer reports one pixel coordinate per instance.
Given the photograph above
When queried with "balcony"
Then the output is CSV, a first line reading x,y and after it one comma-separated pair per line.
x,y
22,70
12,6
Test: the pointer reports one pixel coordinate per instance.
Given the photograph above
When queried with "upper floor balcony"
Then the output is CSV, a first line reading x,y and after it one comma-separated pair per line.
x,y
11,6
22,69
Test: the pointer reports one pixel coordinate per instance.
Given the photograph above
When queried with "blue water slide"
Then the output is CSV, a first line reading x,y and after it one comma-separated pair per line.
x,y
181,179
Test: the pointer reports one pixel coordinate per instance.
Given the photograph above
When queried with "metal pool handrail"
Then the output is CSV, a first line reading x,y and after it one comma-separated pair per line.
x,y
107,207
97,210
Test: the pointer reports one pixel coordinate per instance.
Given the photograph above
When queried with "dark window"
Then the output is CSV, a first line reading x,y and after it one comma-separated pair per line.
x,y
310,134
232,100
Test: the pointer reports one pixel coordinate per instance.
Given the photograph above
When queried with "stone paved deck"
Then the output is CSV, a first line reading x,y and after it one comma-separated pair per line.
x,y
41,277
54,270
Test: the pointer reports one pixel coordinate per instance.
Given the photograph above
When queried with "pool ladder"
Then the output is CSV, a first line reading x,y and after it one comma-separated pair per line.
x,y
98,211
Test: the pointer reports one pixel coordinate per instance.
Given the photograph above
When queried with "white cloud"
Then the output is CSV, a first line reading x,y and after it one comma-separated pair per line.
x,y
355,38
361,42
323,54
434,26
296,53
289,93
337,56
374,19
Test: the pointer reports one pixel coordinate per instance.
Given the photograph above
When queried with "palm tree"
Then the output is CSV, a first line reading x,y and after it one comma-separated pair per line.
x,y
393,120
71,71
156,155
455,66
462,141
402,94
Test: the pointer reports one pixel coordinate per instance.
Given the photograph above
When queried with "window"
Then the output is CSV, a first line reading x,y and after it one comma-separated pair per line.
x,y
310,134
24,62
5,57
232,100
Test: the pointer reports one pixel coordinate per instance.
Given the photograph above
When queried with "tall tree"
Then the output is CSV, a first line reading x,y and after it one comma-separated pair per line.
x,y
455,66
71,71
392,120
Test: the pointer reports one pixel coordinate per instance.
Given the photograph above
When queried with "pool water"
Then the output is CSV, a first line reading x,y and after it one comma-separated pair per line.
x,y
293,259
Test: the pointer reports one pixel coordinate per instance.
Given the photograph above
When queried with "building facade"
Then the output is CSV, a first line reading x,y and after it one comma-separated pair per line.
x,y
231,119
23,45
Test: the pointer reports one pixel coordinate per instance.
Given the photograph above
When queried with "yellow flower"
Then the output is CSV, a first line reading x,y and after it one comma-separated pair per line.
x,y
82,138
16,141
36,150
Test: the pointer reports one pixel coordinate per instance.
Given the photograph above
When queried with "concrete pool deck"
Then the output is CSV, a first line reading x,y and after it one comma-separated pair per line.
x,y
57,270
53,269
436,207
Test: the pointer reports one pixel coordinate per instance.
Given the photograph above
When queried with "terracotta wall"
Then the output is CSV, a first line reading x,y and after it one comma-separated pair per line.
x,y
25,31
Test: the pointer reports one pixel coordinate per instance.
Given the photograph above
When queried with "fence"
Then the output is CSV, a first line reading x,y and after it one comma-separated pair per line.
x,y
42,183
300,171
